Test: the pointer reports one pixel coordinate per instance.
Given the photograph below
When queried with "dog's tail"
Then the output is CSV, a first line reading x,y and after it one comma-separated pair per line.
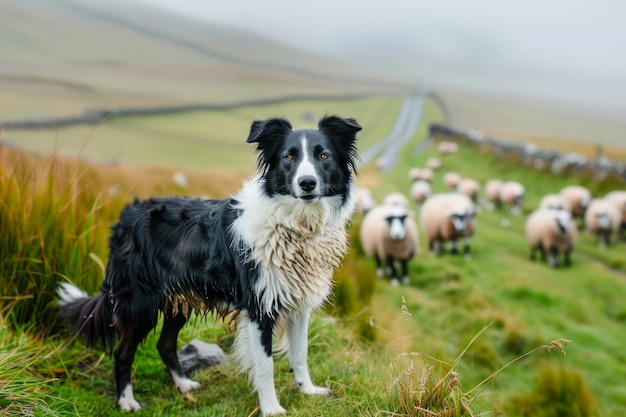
x,y
92,317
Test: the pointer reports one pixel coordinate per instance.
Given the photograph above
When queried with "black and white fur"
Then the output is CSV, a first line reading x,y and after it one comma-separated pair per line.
x,y
268,253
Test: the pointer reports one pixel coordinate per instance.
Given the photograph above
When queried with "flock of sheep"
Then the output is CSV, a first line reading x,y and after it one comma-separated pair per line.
x,y
389,232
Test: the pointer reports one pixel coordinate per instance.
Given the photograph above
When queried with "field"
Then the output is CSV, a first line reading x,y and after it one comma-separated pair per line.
x,y
56,211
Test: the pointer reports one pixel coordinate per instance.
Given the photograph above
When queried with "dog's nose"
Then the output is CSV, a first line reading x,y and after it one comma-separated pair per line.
x,y
307,183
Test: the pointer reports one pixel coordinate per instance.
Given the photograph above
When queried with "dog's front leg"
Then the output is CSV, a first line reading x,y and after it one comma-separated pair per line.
x,y
262,372
298,336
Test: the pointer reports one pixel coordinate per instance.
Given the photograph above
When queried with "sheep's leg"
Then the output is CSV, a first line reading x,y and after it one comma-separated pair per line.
x,y
532,254
393,273
404,264
553,257
466,249
454,248
567,261
380,271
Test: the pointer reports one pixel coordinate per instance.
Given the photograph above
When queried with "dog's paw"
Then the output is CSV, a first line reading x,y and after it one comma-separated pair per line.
x,y
313,390
185,385
129,404
276,410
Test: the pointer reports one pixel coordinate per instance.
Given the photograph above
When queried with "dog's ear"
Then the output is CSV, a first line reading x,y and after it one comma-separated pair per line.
x,y
337,127
343,131
269,130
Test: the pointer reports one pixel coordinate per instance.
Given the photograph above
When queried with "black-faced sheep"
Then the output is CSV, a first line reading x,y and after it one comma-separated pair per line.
x,y
603,219
578,198
448,217
619,199
512,194
492,191
451,179
470,188
551,232
389,235
420,191
555,202
396,199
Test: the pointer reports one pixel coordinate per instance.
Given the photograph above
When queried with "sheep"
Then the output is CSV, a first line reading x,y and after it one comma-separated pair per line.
x,y
578,198
512,194
415,174
492,190
447,217
396,199
451,179
426,174
420,191
433,163
389,235
364,200
469,187
552,232
603,219
555,202
446,147
619,199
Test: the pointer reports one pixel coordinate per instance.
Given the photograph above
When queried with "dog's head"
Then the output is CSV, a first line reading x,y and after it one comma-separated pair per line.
x,y
307,164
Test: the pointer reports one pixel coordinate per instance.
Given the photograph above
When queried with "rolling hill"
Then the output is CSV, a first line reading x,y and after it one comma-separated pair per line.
x,y
59,57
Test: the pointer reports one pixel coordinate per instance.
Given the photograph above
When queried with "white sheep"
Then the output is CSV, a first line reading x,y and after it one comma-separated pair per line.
x,y
433,163
619,199
551,232
603,219
364,200
447,147
415,174
396,199
578,198
470,188
427,174
512,194
451,179
389,235
555,202
420,191
492,191
448,217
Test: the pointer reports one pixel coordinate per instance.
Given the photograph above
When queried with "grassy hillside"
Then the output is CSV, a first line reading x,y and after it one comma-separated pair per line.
x,y
499,305
189,140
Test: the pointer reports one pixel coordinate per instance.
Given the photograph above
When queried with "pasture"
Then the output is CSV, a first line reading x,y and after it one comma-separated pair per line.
x,y
499,305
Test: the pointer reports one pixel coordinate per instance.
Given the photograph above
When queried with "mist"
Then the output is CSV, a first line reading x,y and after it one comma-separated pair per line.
x,y
562,52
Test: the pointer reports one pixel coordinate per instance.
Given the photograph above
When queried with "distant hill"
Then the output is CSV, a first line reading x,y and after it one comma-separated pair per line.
x,y
62,56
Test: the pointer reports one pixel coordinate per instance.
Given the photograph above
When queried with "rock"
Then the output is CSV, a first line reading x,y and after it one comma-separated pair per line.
x,y
199,355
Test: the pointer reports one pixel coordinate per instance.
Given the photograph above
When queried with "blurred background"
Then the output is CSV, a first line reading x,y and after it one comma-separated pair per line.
x,y
541,69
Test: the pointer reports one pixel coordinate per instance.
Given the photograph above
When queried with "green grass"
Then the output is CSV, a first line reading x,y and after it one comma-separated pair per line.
x,y
56,215
190,140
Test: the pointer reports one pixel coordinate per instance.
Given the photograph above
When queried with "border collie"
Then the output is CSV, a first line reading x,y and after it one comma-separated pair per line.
x,y
267,253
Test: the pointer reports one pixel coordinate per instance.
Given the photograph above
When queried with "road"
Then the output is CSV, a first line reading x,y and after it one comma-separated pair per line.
x,y
402,132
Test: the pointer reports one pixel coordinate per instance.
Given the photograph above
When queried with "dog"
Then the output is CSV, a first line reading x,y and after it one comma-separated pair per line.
x,y
267,253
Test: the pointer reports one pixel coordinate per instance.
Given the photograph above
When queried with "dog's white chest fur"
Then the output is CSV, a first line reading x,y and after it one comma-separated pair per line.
x,y
297,245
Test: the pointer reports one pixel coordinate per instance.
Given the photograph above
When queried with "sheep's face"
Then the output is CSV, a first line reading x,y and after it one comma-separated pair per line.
x,y
461,219
603,220
397,227
563,221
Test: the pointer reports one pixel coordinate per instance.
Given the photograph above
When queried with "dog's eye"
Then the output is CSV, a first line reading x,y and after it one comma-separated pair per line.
x,y
289,157
324,156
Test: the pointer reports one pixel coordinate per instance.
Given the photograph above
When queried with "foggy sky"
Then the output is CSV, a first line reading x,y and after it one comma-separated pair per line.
x,y
566,51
